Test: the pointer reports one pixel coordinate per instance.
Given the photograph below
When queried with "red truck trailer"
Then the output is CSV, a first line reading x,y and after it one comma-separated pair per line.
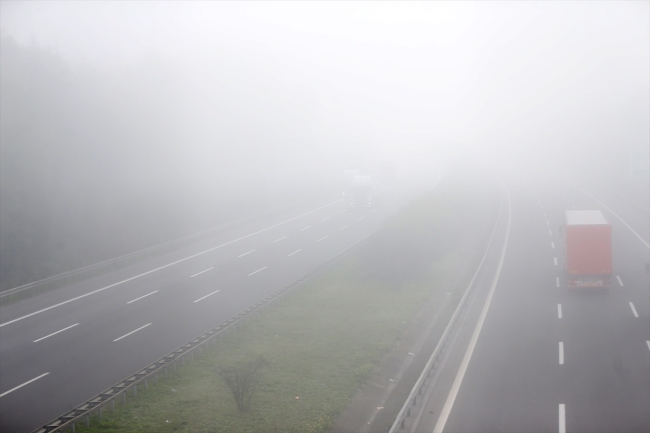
x,y
588,249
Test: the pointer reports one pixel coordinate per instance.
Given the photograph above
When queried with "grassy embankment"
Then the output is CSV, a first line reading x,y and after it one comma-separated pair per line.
x,y
325,340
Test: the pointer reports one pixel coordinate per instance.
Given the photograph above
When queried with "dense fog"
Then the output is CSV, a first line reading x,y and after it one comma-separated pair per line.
x,y
127,124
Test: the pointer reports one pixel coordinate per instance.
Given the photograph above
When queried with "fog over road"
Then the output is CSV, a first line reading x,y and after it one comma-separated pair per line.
x,y
63,347
126,125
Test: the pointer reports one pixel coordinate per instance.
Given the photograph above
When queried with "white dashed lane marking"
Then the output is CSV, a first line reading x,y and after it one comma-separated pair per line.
x,y
54,333
245,254
557,281
199,273
619,280
342,227
295,252
26,383
253,273
143,296
132,332
555,261
203,297
277,240
634,310
562,419
553,245
305,228
324,237
559,311
561,353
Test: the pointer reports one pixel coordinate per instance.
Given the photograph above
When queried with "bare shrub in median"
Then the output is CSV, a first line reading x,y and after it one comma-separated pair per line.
x,y
243,380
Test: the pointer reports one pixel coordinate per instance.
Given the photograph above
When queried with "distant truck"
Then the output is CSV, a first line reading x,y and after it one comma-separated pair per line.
x,y
588,249
362,192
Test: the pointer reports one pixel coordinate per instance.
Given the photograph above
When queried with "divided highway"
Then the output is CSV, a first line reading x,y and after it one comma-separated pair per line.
x,y
548,359
62,347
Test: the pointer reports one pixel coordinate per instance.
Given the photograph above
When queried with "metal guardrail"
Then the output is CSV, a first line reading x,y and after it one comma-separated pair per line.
x,y
436,357
95,405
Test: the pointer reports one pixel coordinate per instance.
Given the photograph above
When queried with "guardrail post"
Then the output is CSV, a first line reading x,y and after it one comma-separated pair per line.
x,y
146,383
99,412
73,423
124,397
112,405
87,421
135,390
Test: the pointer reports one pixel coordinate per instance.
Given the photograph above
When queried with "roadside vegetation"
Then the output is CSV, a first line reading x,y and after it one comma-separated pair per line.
x,y
312,352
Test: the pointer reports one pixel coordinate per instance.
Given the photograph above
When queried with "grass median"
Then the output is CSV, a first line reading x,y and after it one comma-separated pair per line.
x,y
324,341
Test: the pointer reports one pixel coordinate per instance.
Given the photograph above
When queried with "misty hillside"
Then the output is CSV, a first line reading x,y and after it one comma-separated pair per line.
x,y
97,163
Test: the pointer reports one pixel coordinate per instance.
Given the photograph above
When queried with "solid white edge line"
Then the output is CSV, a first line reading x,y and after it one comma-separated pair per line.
x,y
343,227
245,254
209,294
555,261
557,281
54,333
261,269
561,353
453,392
135,330
144,296
321,238
562,419
165,266
277,240
634,310
616,215
199,273
619,280
297,251
305,228
559,311
26,383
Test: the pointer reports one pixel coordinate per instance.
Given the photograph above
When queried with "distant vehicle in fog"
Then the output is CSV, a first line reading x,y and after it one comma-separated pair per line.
x,y
588,249
362,191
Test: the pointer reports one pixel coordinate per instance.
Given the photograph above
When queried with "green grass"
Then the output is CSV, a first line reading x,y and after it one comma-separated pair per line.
x,y
322,343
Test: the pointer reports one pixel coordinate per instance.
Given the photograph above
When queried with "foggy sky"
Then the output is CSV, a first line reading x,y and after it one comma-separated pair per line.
x,y
376,78
127,124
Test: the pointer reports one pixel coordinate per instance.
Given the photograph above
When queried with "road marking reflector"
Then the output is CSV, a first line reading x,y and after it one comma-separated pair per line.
x,y
634,310
261,269
619,280
199,273
143,296
561,353
297,251
245,254
209,294
284,237
54,333
562,419
321,238
559,311
136,330
26,383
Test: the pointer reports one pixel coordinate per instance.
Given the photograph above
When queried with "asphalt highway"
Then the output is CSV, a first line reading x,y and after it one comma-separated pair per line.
x,y
548,359
60,348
